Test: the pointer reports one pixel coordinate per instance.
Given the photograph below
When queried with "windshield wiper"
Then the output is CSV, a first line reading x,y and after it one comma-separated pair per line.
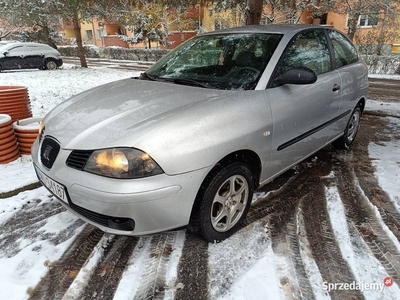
x,y
189,82
144,75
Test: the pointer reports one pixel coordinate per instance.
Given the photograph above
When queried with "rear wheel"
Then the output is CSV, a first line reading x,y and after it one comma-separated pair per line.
x,y
344,142
223,202
50,65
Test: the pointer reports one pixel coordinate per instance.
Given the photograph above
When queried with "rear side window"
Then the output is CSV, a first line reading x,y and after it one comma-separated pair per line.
x,y
345,52
307,49
17,50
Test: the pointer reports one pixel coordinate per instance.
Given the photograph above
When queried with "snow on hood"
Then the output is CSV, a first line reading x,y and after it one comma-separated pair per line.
x,y
122,112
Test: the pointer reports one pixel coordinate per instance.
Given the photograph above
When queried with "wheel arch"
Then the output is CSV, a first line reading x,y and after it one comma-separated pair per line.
x,y
247,157
361,104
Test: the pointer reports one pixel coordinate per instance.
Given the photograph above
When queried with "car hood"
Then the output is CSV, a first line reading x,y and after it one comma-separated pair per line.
x,y
123,112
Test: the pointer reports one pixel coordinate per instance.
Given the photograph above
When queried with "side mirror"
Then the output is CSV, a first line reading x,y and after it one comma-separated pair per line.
x,y
301,75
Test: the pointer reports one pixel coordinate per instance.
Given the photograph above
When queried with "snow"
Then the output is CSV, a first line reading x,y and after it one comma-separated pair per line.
x,y
257,277
356,253
386,160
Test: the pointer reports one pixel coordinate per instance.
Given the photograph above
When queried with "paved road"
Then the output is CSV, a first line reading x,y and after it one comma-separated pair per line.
x,y
384,89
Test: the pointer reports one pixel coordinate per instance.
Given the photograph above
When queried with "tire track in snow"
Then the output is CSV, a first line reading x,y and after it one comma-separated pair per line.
x,y
26,223
364,171
324,248
193,269
62,273
282,211
286,231
77,287
107,274
365,267
360,213
153,277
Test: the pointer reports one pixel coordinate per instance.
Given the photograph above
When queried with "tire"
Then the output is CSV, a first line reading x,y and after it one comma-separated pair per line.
x,y
50,65
219,210
345,141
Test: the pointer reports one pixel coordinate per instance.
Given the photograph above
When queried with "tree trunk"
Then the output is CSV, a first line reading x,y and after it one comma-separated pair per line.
x,y
48,38
254,11
78,36
353,21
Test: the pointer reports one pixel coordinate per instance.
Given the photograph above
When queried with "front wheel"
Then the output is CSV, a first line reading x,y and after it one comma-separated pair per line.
x,y
223,202
345,141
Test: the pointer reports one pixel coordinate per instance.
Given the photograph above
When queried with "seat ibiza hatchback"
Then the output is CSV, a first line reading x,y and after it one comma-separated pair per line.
x,y
188,141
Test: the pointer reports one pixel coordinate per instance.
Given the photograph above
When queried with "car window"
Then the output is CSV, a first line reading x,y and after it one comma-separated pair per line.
x,y
345,53
307,49
223,61
17,50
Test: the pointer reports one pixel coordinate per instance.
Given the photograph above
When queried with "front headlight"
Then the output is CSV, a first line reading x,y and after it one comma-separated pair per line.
x,y
122,163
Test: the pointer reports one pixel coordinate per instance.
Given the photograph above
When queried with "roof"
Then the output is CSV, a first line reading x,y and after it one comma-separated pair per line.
x,y
270,28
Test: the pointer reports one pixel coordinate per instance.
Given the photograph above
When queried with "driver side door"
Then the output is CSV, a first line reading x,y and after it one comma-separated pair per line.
x,y
303,115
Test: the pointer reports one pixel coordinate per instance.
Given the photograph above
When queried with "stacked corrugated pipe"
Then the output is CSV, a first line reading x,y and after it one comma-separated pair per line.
x,y
18,130
8,143
27,130
14,101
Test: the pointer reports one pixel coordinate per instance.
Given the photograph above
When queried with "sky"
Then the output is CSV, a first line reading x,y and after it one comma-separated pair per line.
x,y
257,277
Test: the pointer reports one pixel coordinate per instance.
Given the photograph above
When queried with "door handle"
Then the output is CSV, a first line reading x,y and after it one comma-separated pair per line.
x,y
336,87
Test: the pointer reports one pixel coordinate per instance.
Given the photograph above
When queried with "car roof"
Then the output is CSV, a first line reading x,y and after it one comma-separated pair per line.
x,y
25,44
285,29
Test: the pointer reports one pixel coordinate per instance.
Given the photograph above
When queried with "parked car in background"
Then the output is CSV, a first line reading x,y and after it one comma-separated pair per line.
x,y
15,56
188,141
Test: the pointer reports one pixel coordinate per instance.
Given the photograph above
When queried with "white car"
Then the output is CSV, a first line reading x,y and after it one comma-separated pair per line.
x,y
15,56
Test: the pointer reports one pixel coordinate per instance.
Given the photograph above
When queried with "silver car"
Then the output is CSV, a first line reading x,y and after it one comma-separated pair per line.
x,y
188,141
17,55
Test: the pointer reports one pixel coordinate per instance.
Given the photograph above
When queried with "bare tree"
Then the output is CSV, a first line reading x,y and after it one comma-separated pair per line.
x,y
4,34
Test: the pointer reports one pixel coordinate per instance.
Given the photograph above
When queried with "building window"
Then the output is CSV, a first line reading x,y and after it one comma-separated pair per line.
x,y
100,34
121,31
366,20
89,34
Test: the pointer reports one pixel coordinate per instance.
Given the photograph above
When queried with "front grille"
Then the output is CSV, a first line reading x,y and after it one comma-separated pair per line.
x,y
78,158
49,151
124,224
95,217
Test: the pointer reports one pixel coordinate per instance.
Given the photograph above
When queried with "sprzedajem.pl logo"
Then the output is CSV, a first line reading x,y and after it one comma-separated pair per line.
x,y
357,286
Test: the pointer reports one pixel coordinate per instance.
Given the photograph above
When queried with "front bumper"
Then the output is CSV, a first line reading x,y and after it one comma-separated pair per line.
x,y
59,62
125,206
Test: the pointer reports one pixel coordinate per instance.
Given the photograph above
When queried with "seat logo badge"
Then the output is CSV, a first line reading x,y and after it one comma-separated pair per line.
x,y
46,152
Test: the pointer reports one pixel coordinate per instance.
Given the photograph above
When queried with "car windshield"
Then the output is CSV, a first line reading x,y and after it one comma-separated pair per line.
x,y
224,61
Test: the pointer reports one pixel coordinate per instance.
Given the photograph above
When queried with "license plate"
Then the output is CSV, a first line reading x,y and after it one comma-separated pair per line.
x,y
54,187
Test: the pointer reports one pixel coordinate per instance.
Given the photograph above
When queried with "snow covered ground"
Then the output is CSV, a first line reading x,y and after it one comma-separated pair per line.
x,y
258,277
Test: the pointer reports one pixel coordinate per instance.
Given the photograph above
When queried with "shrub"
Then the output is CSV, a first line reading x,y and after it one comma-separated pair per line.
x,y
115,53
90,51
